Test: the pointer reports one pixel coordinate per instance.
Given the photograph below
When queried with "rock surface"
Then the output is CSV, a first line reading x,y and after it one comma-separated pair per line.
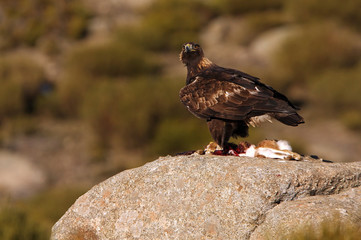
x,y
291,216
210,197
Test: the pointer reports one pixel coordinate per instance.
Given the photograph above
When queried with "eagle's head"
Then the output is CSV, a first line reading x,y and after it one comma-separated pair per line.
x,y
191,53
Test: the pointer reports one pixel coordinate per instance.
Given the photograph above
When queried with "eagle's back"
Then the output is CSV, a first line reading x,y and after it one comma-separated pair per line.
x,y
243,79
229,94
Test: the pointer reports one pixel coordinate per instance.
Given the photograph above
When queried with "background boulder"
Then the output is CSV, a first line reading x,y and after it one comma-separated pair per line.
x,y
19,177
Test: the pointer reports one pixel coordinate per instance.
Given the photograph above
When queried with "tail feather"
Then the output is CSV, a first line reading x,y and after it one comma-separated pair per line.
x,y
292,119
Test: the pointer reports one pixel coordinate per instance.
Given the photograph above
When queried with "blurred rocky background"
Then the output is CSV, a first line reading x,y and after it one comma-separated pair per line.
x,y
90,88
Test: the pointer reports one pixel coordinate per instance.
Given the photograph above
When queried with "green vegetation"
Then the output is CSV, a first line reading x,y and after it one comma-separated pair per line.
x,y
33,219
87,66
111,60
314,11
24,23
16,224
137,114
116,85
170,23
170,138
315,49
20,78
239,7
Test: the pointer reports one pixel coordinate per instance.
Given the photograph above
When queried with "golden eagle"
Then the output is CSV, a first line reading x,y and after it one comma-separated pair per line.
x,y
230,100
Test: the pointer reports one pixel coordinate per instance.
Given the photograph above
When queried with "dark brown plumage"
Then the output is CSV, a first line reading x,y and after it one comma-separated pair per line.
x,y
228,99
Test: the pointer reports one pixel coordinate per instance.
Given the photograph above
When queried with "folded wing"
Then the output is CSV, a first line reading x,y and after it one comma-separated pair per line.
x,y
232,98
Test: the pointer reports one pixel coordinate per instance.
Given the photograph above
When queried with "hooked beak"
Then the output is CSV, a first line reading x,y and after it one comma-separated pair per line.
x,y
188,48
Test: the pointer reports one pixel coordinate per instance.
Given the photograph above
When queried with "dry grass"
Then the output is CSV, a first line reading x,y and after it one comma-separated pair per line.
x,y
333,229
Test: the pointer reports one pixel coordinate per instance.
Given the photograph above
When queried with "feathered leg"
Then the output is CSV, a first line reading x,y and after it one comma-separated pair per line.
x,y
221,131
